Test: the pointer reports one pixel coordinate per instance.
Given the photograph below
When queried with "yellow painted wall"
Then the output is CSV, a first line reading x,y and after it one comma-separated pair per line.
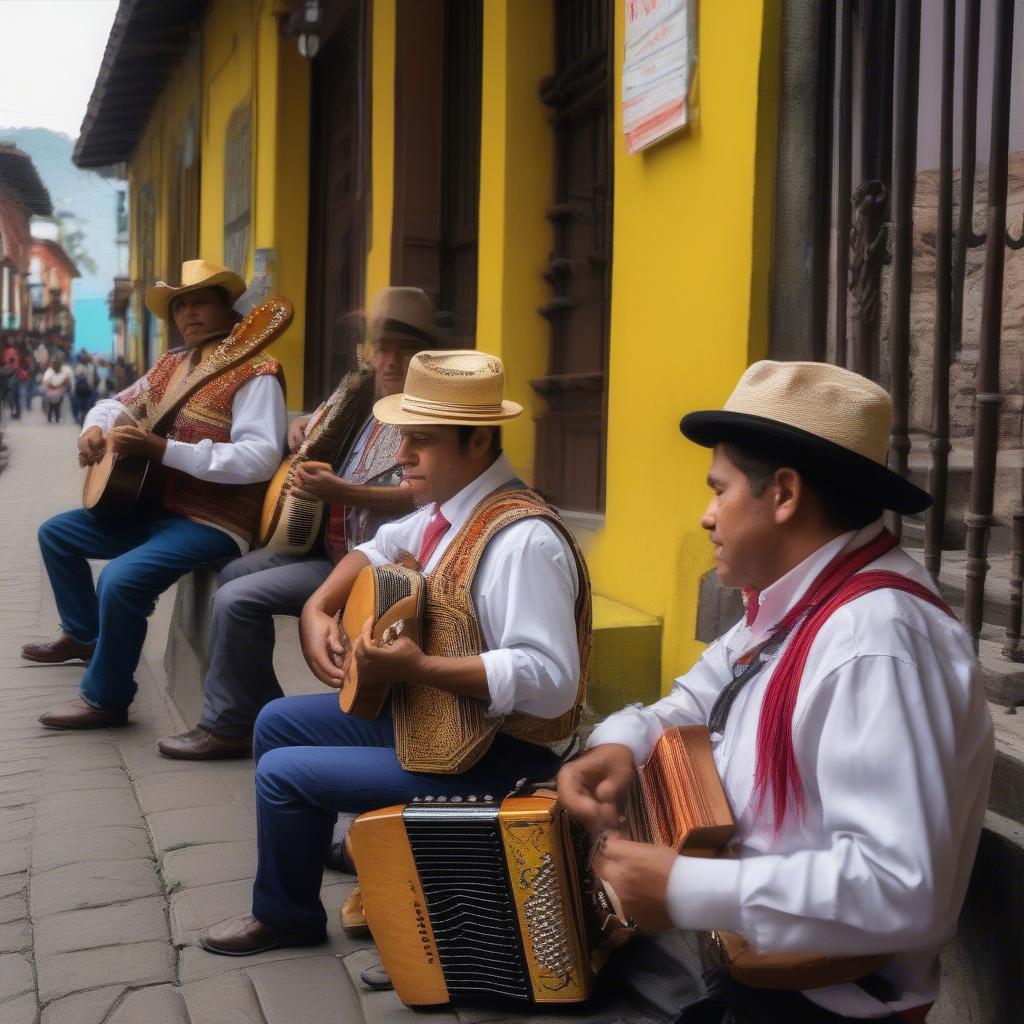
x,y
240,57
516,180
689,313
382,143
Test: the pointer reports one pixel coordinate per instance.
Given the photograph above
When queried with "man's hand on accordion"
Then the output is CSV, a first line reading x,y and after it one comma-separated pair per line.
x,y
324,646
593,787
638,874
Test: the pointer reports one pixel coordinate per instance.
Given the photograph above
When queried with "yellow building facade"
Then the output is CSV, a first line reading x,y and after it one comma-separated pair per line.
x,y
226,161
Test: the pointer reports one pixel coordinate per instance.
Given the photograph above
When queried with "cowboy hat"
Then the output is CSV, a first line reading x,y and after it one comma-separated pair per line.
x,y
403,313
195,274
457,388
827,422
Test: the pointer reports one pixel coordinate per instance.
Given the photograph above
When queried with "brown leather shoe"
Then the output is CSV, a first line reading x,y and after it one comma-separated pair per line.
x,y
56,652
76,714
245,935
200,744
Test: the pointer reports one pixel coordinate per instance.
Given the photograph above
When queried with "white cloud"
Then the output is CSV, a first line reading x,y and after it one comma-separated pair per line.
x,y
50,53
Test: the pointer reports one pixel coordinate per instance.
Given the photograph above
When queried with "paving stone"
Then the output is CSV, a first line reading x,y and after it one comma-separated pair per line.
x,y
137,963
79,846
96,884
158,1005
86,779
89,1007
94,808
15,976
20,1010
192,827
81,758
206,787
15,856
12,883
226,999
17,798
208,864
13,907
312,989
193,911
15,936
138,921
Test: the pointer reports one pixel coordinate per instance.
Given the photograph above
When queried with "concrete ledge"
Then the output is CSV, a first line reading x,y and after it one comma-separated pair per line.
x,y
185,655
626,661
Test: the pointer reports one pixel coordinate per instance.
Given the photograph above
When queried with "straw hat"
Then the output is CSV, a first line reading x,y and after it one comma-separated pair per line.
x,y
195,274
825,421
450,388
403,313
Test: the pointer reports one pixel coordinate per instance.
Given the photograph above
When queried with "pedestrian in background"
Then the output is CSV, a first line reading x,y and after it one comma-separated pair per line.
x,y
56,384
11,364
83,394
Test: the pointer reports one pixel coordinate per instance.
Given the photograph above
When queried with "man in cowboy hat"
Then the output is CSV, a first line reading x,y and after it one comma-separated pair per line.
x,y
847,719
224,443
360,486
530,602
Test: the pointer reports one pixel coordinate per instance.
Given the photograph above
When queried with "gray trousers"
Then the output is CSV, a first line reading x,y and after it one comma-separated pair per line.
x,y
240,676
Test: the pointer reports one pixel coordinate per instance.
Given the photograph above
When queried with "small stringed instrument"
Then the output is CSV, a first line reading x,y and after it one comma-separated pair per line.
x,y
393,598
114,486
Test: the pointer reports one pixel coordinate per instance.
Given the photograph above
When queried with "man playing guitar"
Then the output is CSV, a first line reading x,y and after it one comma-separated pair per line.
x,y
211,464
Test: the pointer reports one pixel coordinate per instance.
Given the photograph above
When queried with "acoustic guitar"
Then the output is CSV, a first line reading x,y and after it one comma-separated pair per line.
x,y
393,598
114,486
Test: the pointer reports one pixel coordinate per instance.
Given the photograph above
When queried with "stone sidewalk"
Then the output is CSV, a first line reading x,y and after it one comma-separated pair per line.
x,y
113,860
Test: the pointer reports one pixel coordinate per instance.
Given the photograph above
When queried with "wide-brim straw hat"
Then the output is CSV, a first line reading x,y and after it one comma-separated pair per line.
x,y
195,274
455,388
829,423
405,314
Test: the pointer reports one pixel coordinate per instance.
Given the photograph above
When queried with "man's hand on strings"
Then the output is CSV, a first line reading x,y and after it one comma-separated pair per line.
x,y
638,875
324,646
297,432
593,787
400,660
91,447
318,480
136,441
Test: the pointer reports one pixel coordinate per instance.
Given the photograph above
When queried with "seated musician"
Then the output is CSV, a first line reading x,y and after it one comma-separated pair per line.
x,y
856,761
530,606
224,443
361,488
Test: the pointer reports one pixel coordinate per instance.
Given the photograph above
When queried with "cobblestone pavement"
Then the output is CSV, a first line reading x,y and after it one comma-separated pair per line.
x,y
113,860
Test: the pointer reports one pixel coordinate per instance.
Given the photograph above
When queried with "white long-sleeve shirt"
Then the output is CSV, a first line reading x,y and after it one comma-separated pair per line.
x,y
524,594
893,741
259,422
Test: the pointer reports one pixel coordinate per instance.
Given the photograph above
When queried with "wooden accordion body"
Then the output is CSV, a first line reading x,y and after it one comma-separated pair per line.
x,y
476,897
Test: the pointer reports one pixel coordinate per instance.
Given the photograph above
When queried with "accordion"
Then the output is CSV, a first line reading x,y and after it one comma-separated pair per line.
x,y
481,897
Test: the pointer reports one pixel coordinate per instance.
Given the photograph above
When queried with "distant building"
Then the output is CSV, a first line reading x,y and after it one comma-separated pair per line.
x,y
51,271
22,195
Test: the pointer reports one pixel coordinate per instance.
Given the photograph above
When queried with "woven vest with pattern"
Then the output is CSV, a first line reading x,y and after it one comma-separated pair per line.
x,y
206,415
452,629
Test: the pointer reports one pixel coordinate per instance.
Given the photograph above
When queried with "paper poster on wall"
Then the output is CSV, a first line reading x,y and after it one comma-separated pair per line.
x,y
659,70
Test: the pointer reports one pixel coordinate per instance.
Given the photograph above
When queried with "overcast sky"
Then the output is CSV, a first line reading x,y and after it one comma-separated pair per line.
x,y
50,52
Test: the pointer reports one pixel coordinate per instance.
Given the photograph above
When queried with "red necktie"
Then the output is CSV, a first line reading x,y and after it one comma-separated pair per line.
x,y
437,527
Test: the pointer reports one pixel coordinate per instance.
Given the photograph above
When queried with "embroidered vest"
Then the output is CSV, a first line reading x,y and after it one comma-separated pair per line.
x,y
429,723
206,415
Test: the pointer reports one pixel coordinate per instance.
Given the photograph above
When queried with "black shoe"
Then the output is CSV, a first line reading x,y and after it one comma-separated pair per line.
x,y
377,978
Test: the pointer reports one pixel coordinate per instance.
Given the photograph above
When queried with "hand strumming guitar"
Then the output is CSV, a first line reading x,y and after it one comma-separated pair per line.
x,y
136,441
318,480
92,446
396,661
324,646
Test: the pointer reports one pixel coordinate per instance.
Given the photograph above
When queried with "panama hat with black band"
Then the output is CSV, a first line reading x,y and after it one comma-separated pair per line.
x,y
826,422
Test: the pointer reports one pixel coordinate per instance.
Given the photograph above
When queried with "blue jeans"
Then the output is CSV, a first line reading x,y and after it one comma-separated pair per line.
x,y
312,761
147,556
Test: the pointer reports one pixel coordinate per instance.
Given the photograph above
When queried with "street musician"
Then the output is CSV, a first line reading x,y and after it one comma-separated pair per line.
x,y
500,569
210,467
847,717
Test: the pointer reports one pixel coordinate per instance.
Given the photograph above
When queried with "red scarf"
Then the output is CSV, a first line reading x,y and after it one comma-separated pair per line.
x,y
840,581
